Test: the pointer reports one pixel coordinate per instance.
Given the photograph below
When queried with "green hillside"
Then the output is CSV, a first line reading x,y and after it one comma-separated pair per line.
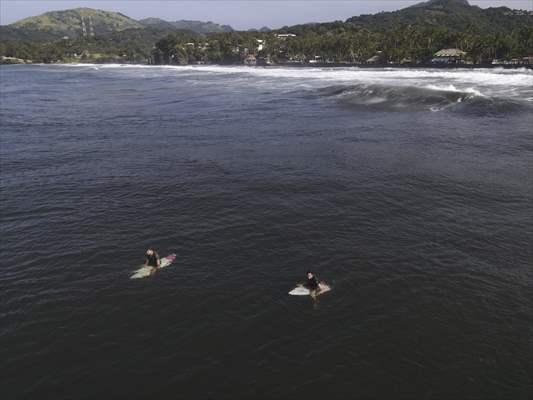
x,y
193,26
201,27
89,23
79,22
455,15
157,23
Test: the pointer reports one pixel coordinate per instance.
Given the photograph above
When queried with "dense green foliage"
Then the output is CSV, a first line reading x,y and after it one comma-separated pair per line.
x,y
341,42
346,42
194,26
131,45
456,15
88,35
417,32
410,35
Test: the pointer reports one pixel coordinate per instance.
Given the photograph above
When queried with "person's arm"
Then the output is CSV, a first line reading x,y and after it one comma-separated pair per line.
x,y
158,260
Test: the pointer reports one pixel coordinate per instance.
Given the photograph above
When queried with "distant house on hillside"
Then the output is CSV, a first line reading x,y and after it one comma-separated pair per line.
x,y
285,35
449,56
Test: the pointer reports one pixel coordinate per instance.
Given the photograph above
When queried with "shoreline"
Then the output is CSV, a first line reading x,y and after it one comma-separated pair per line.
x,y
417,66
404,66
303,66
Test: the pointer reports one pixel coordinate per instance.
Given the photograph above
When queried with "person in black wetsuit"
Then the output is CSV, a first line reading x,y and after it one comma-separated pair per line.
x,y
152,259
312,283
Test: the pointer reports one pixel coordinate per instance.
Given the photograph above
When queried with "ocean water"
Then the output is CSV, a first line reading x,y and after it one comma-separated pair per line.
x,y
409,192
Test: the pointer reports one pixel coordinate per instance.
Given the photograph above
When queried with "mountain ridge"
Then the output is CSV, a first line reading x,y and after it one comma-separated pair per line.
x,y
463,3
90,22
456,15
186,24
82,21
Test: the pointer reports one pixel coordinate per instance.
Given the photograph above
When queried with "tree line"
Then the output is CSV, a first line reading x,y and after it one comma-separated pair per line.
x,y
340,42
335,42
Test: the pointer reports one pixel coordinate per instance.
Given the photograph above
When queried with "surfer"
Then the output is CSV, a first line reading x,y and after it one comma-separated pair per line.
x,y
312,284
152,259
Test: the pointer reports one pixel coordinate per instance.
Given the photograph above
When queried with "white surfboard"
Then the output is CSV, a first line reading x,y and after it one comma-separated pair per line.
x,y
145,271
303,291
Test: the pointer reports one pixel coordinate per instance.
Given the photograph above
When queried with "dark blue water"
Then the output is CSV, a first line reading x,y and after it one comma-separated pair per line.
x,y
409,192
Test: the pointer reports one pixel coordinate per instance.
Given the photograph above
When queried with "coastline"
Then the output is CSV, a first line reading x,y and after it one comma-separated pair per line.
x,y
408,66
307,65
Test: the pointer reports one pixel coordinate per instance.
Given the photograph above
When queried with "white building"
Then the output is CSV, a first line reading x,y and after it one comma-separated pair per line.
x,y
285,35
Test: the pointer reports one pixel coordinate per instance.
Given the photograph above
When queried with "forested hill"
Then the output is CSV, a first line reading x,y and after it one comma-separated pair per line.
x,y
88,23
78,22
455,15
193,26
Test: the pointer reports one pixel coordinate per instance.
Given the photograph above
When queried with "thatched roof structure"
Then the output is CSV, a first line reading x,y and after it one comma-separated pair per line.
x,y
450,53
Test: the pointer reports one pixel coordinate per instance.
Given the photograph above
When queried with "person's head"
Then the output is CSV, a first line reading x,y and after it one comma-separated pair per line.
x,y
150,251
310,275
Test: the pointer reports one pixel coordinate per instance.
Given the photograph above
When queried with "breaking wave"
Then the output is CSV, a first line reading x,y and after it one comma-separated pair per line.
x,y
430,97
464,90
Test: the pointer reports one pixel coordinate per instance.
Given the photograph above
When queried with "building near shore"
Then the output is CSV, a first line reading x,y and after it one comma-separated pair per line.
x,y
317,60
449,56
250,60
297,59
13,60
264,61
377,58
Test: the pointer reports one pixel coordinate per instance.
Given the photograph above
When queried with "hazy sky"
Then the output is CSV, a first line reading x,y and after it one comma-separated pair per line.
x,y
239,14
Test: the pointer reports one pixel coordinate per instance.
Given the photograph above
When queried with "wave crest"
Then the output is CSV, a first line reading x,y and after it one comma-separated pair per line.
x,y
429,97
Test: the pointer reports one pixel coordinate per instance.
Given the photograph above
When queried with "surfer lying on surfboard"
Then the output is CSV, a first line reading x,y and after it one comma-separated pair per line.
x,y
152,259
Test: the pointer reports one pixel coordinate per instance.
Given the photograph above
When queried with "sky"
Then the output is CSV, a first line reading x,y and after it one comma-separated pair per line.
x,y
239,14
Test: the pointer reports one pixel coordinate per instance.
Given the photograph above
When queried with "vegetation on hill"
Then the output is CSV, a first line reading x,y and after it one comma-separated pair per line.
x,y
130,46
410,35
404,44
88,23
194,26
454,15
89,35
84,22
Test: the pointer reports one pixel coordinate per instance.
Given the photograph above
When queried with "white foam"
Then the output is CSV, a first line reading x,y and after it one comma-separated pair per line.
x,y
452,88
477,82
479,76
